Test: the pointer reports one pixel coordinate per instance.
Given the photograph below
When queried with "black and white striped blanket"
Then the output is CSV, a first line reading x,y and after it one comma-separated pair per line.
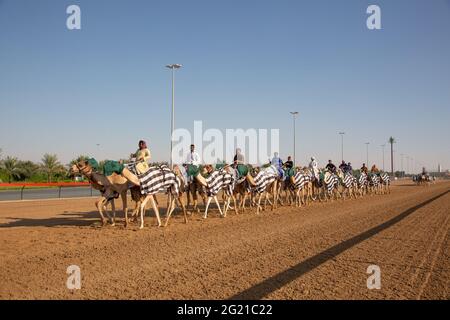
x,y
300,180
264,178
219,180
157,179
349,181
384,177
374,180
331,181
362,180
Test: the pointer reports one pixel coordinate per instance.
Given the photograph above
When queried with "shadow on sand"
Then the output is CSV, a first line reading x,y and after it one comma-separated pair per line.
x,y
281,279
77,219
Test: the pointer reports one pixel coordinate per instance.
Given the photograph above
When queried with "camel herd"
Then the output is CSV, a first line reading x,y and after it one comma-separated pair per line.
x,y
256,188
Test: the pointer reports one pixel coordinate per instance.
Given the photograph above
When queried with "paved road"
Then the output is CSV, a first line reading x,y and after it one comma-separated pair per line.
x,y
66,192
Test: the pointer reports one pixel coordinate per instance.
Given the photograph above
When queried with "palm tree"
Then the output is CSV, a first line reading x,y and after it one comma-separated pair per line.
x,y
11,167
50,165
392,141
27,169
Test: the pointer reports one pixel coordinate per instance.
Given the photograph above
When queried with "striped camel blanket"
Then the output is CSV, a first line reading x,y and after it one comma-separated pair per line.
x,y
300,180
219,180
157,179
265,177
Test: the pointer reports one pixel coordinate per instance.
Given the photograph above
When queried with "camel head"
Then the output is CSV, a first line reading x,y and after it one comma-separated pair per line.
x,y
207,169
177,171
73,170
82,167
200,179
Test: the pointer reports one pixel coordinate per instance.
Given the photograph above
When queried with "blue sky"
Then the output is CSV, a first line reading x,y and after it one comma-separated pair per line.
x,y
246,64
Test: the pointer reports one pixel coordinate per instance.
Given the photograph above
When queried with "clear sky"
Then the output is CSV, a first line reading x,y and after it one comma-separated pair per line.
x,y
246,64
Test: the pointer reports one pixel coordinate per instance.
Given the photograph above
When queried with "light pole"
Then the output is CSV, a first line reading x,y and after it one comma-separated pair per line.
x,y
342,145
367,153
401,163
172,123
382,146
407,164
294,114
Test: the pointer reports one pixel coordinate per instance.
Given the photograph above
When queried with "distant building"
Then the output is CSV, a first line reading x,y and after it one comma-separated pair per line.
x,y
439,168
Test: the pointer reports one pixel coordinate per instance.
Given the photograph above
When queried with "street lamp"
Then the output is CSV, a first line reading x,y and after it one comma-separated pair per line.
x,y
367,153
407,164
342,145
401,163
294,114
172,124
382,146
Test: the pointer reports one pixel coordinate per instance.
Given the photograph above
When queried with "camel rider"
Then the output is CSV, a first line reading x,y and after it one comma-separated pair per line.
x,y
343,166
331,167
192,162
348,168
364,168
288,169
238,158
314,168
374,169
277,163
193,157
142,156
289,164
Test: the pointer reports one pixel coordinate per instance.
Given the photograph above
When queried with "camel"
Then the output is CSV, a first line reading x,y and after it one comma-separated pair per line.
x,y
208,169
271,188
131,177
349,184
108,186
302,188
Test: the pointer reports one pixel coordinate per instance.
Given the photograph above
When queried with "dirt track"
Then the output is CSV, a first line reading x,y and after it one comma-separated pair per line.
x,y
318,252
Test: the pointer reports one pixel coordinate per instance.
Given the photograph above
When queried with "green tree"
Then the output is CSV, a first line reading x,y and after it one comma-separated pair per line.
x,y
11,167
392,141
51,166
27,169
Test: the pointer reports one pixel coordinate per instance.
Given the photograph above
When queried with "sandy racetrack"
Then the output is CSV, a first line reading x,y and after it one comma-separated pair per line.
x,y
317,252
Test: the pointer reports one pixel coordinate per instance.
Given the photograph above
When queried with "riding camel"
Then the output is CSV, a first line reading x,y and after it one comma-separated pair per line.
x,y
108,186
131,177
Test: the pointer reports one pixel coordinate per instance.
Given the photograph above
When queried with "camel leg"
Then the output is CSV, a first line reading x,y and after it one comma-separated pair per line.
x,y
125,207
242,199
113,219
258,205
226,205
207,206
235,205
155,208
99,204
169,212
143,204
218,206
183,207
